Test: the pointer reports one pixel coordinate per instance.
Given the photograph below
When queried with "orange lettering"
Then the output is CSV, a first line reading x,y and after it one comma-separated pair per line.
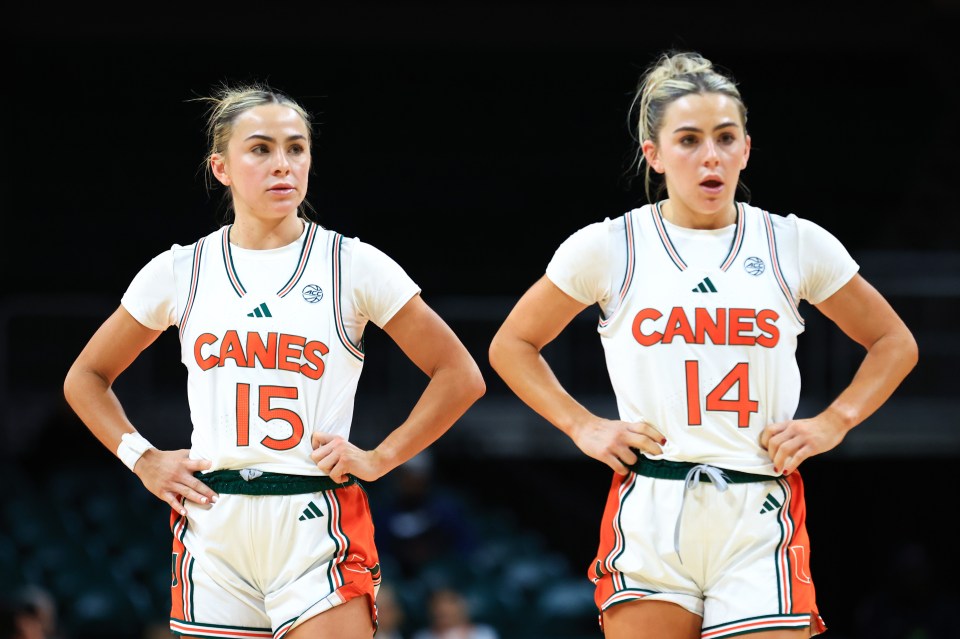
x,y
677,326
265,353
738,325
208,362
312,352
642,316
766,322
288,348
231,348
706,326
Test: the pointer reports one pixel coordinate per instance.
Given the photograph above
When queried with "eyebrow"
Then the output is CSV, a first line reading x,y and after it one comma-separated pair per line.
x,y
260,136
722,125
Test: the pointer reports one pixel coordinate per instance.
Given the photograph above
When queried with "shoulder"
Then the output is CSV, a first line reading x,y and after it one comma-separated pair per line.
x,y
210,239
788,222
360,252
598,233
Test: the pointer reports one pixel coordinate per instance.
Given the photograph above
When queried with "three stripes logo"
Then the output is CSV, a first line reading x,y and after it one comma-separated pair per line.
x,y
311,512
706,286
770,503
260,311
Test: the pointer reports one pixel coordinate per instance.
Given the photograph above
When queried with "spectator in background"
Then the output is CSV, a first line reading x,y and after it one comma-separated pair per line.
x,y
38,604
418,523
390,613
450,618
19,620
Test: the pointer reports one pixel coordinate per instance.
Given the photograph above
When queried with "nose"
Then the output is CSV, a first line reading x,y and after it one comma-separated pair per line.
x,y
281,165
710,156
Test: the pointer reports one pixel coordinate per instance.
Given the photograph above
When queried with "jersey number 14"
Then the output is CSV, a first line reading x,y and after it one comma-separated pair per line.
x,y
739,375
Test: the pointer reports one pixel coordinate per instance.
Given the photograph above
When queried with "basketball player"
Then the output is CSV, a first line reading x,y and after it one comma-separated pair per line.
x,y
273,535
703,532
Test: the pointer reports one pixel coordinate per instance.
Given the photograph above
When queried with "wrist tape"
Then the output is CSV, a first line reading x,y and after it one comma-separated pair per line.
x,y
131,448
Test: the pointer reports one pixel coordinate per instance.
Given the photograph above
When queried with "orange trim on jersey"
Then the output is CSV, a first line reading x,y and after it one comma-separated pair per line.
x,y
657,216
194,283
775,263
297,272
337,311
737,238
302,262
628,221
228,263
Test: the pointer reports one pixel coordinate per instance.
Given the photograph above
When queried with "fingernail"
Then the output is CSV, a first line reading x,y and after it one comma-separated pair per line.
x,y
203,500
214,499
663,441
776,470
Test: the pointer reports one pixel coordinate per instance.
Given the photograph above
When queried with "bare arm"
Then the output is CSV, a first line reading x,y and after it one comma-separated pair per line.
x,y
863,314
455,384
515,354
88,389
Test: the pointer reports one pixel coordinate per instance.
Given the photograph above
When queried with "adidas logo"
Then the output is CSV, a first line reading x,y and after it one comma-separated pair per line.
x,y
706,286
769,504
311,512
260,311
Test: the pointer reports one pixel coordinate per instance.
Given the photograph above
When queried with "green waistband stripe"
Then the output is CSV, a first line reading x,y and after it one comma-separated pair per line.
x,y
665,469
231,482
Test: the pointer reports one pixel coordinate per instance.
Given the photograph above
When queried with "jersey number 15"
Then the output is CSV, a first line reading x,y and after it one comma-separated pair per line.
x,y
266,412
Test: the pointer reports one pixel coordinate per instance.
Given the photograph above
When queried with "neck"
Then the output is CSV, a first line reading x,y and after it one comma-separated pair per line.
x,y
680,215
260,234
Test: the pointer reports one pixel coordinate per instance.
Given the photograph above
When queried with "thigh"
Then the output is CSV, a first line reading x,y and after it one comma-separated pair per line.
x,y
640,619
350,620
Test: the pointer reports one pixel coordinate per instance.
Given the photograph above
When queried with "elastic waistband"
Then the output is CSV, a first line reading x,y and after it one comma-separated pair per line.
x,y
255,482
665,469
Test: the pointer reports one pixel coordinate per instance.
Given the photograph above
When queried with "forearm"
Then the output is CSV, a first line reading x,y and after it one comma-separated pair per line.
x,y
447,396
92,399
524,369
888,361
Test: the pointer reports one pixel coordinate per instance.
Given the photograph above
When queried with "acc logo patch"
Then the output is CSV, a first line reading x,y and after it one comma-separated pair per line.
x,y
753,266
312,293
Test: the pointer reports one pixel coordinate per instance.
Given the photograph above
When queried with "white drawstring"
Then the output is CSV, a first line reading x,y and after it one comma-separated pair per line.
x,y
715,475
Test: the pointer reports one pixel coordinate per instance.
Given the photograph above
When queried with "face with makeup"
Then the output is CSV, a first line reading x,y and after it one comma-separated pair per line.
x,y
266,164
700,150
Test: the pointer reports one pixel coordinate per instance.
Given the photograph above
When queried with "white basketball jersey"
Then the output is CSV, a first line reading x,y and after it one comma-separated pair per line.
x,y
705,354
269,359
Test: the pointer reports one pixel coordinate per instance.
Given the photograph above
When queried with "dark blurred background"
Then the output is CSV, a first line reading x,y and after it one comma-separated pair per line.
x,y
467,140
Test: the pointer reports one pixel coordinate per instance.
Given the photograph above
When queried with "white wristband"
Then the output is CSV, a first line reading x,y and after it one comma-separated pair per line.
x,y
131,448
